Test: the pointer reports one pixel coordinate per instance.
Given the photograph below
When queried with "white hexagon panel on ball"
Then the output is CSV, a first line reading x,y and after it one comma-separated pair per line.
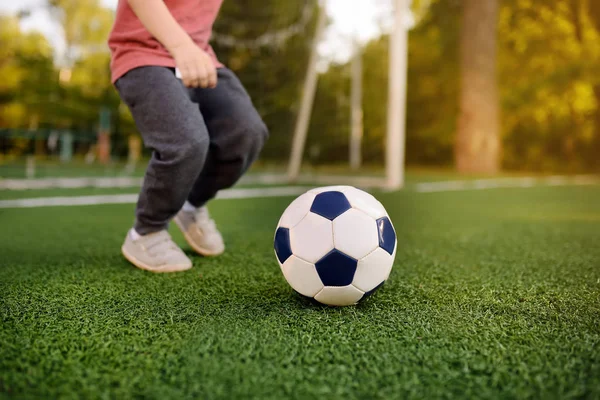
x,y
365,202
355,234
312,238
339,295
302,276
373,270
297,210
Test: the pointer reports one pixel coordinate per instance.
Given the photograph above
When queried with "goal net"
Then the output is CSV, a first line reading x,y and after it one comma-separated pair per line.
x,y
309,65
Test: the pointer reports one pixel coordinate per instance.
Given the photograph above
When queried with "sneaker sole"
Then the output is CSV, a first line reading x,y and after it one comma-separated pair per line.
x,y
200,250
167,268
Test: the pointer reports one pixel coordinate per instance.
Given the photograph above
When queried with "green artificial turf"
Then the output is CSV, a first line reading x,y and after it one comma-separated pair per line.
x,y
494,294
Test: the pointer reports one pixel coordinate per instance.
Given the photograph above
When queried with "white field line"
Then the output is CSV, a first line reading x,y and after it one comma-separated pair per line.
x,y
244,193
132,198
130,182
315,180
69,183
482,184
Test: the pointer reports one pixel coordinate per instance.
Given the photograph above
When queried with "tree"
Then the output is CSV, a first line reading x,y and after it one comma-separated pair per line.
x,y
478,146
548,62
86,25
27,67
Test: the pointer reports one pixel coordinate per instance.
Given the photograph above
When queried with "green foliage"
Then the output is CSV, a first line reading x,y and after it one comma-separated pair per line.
x,y
500,300
549,55
26,65
86,25
549,58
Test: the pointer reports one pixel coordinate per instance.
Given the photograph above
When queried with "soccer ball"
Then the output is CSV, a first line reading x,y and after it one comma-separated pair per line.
x,y
335,244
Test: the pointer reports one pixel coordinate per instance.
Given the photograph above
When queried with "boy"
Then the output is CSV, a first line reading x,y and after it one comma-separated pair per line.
x,y
202,128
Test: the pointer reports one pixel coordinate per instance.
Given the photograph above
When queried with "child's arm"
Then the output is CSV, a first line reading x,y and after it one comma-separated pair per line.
x,y
196,67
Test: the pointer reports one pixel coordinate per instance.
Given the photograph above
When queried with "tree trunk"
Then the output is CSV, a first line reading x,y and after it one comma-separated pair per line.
x,y
477,146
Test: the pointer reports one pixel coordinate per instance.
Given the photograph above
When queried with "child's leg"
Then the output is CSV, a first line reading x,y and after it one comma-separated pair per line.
x,y
237,134
172,126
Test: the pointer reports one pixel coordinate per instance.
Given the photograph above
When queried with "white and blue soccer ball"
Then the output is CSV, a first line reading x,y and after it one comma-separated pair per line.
x,y
335,244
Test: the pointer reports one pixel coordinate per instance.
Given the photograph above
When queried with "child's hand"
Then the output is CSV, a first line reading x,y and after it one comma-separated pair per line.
x,y
196,67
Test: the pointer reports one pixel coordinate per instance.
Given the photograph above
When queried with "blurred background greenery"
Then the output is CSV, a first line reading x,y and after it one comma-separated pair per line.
x,y
537,83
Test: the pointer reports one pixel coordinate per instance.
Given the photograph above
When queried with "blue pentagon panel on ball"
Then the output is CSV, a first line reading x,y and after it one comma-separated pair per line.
x,y
282,244
336,269
387,236
330,204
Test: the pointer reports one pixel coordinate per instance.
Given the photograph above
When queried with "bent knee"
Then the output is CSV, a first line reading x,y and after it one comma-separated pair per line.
x,y
257,133
240,139
191,152
252,137
196,147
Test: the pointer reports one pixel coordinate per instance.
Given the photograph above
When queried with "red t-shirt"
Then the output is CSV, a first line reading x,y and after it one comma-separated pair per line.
x,y
132,46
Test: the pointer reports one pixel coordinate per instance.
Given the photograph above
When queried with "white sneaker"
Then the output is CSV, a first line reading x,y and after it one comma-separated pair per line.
x,y
155,252
200,231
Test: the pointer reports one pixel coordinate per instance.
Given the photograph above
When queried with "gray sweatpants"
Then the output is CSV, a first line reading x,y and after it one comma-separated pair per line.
x,y
202,140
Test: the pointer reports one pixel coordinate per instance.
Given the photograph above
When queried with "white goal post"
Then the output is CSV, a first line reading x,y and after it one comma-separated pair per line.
x,y
396,113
